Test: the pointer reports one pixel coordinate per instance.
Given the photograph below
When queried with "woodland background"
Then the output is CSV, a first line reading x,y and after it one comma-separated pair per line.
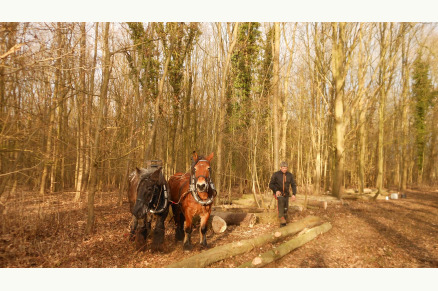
x,y
348,105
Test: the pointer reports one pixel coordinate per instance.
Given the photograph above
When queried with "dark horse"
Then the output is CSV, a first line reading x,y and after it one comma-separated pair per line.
x,y
148,193
192,194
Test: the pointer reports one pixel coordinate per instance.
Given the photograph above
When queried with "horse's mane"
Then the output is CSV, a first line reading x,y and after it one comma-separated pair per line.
x,y
146,172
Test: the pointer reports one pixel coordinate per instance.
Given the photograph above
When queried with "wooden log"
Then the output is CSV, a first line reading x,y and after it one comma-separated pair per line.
x,y
237,208
319,204
286,247
235,248
237,218
362,197
218,224
219,221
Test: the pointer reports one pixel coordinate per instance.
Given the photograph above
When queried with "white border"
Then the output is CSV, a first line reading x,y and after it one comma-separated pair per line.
x,y
220,10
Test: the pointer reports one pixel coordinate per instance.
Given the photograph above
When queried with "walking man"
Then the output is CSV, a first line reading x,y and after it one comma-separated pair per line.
x,y
280,183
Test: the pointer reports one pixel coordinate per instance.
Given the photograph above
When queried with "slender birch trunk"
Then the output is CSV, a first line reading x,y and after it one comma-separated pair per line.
x,y
80,102
276,95
222,108
97,136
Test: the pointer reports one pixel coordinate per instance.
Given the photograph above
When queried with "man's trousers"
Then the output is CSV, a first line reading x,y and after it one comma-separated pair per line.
x,y
283,205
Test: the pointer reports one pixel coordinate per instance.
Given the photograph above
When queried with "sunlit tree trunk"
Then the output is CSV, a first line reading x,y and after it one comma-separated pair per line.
x,y
404,115
222,108
87,150
80,103
97,136
152,138
49,155
338,70
276,95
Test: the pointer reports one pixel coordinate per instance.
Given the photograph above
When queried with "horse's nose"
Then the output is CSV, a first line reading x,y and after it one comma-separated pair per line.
x,y
201,186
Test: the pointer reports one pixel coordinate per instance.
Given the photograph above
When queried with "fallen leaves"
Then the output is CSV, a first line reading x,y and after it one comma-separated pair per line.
x,y
380,234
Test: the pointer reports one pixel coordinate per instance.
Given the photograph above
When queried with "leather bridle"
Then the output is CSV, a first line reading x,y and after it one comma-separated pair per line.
x,y
193,189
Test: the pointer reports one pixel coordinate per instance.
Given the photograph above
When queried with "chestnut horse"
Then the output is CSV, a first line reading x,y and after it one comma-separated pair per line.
x,y
192,194
148,193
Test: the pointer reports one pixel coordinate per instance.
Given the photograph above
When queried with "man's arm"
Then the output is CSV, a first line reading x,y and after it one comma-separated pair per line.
x,y
293,185
273,184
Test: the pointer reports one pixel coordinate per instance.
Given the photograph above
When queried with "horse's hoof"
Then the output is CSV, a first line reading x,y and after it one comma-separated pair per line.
x,y
204,246
187,247
140,242
157,248
179,236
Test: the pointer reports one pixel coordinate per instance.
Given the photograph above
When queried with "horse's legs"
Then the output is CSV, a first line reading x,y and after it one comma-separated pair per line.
x,y
188,233
203,230
179,222
141,233
158,240
134,223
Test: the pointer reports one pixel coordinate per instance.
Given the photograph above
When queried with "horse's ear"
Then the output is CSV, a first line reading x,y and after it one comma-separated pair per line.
x,y
209,157
195,156
156,175
137,170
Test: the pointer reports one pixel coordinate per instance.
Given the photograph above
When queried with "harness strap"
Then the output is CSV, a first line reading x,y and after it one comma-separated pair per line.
x,y
181,196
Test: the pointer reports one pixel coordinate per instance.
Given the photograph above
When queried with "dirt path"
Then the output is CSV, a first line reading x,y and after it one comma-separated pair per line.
x,y
394,233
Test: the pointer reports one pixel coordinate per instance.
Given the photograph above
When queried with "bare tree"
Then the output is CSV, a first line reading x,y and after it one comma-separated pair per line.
x,y
97,136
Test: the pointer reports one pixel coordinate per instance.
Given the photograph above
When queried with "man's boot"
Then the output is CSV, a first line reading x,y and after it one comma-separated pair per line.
x,y
282,221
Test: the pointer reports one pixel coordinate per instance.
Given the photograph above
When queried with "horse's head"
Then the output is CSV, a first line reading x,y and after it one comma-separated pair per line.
x,y
148,185
201,171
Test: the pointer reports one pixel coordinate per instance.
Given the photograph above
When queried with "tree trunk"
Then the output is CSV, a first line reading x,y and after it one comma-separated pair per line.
x,y
287,247
404,116
80,103
338,69
88,151
382,101
236,248
49,155
222,110
276,95
97,136
153,133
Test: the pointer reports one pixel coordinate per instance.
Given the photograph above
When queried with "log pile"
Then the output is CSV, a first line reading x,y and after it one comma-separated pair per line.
x,y
286,247
235,248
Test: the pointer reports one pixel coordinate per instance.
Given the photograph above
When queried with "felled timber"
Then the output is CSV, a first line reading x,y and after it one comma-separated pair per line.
x,y
218,224
235,248
317,204
286,247
237,218
237,208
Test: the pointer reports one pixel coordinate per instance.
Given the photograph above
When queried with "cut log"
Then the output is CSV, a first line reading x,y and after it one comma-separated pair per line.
x,y
237,208
237,218
315,203
235,248
362,197
218,224
286,247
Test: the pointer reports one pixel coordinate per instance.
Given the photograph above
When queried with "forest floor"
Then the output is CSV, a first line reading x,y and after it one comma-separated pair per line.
x,y
384,233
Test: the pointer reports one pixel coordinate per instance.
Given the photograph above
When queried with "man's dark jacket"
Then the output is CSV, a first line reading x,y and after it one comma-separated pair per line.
x,y
276,183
